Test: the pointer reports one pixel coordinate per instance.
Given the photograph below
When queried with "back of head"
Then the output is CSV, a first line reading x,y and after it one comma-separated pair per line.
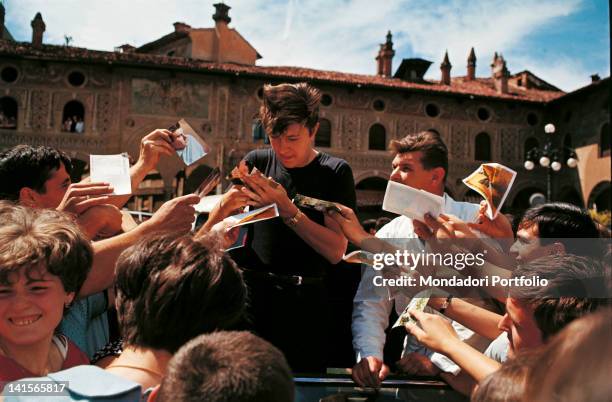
x,y
31,239
171,289
28,166
228,367
576,364
509,382
287,104
576,286
563,222
429,143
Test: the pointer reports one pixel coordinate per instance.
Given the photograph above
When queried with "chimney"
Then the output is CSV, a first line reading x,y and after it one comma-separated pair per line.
x,y
181,27
221,15
126,48
595,78
500,74
525,80
471,66
385,57
445,67
38,28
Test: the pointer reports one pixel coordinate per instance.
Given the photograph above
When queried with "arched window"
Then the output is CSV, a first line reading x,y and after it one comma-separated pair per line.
x,y
530,143
8,113
73,118
377,139
483,147
604,140
323,138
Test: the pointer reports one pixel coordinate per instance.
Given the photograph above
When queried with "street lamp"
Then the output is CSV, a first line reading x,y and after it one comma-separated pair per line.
x,y
549,158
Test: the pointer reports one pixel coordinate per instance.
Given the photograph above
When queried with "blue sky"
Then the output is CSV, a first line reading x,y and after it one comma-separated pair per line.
x,y
562,41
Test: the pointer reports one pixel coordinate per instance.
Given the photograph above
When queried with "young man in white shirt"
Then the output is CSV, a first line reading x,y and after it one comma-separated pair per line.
x,y
421,161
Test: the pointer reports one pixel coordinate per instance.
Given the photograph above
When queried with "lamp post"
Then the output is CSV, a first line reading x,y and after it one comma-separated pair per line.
x,y
549,158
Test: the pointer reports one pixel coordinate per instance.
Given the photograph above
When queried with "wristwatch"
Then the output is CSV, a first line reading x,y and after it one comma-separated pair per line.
x,y
292,222
446,303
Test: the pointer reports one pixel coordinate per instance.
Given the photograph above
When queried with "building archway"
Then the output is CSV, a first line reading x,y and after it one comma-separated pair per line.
x,y
8,113
377,137
323,137
73,117
482,147
521,200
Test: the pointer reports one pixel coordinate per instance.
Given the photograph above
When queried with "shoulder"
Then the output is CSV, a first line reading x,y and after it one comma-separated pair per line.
x,y
333,162
259,154
74,356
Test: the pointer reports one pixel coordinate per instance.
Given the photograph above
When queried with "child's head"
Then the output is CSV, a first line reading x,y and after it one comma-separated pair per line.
x,y
44,260
228,366
575,365
508,383
576,286
170,289
554,228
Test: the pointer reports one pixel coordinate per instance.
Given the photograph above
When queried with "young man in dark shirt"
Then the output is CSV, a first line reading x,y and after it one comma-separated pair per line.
x,y
288,258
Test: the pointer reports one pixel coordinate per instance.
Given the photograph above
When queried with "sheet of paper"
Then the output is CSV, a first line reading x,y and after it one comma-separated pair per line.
x,y
359,257
189,146
493,182
113,169
260,214
411,202
207,203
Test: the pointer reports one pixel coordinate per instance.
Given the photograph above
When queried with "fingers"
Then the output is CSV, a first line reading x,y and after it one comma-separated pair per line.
x,y
357,375
159,146
252,195
421,229
374,367
189,199
84,189
82,204
384,372
414,330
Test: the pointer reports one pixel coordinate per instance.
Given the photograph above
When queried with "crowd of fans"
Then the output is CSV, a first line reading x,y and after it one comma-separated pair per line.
x,y
157,312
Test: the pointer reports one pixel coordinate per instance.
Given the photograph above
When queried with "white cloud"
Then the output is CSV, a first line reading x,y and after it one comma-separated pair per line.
x,y
341,35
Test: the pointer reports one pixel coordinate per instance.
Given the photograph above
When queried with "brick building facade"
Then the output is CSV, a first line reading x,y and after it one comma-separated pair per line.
x,y
210,77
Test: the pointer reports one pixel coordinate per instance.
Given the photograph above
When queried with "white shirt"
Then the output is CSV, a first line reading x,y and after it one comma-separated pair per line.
x,y
498,349
372,304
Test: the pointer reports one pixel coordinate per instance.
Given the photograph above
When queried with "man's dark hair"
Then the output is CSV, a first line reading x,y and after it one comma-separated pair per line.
x,y
287,104
562,222
28,166
228,367
429,143
576,286
171,289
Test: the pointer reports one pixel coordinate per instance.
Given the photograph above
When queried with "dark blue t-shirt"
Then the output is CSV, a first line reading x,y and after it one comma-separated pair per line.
x,y
274,247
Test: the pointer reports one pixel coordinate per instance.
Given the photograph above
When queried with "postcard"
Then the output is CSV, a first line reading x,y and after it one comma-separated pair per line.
x,y
416,303
359,257
313,203
493,182
113,169
259,214
411,202
187,143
